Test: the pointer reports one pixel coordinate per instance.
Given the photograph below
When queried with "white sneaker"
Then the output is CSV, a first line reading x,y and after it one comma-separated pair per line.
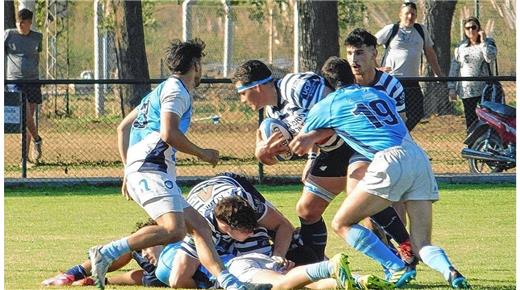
x,y
100,266
37,150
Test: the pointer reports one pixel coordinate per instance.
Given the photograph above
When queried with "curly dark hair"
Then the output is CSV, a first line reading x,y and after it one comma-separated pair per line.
x,y
141,224
250,71
337,72
181,56
360,36
236,212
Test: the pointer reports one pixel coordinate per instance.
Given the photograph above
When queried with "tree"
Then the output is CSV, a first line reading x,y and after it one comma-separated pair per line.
x,y
319,33
9,15
438,19
130,48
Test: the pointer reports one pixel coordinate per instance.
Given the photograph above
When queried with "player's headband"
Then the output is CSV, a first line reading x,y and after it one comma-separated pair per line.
x,y
252,84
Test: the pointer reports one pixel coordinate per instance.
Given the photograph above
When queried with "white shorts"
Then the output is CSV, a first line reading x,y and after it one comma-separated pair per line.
x,y
401,173
156,192
245,267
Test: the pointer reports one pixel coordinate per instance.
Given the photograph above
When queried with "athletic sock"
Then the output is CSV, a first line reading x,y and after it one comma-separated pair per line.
x,y
318,271
115,249
315,236
390,222
78,272
436,258
368,243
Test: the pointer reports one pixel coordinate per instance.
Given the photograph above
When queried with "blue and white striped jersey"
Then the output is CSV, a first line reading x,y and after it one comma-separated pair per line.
x,y
258,242
392,87
147,151
205,195
297,94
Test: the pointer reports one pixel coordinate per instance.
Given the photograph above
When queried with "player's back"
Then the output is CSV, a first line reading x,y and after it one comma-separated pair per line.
x,y
368,118
363,117
205,195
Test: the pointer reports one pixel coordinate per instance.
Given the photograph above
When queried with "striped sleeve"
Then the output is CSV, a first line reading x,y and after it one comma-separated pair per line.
x,y
393,87
258,242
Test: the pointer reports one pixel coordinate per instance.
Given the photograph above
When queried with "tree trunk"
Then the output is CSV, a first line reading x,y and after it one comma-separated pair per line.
x,y
130,49
9,15
438,19
319,33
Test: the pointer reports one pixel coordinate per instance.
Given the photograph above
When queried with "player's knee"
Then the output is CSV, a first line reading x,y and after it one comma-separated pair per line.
x,y
307,213
339,226
174,234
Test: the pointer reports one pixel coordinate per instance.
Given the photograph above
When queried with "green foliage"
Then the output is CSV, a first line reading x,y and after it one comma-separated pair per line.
x,y
107,22
148,18
351,13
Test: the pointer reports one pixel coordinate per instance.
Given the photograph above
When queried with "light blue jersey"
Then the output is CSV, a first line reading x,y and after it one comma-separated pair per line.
x,y
147,151
364,117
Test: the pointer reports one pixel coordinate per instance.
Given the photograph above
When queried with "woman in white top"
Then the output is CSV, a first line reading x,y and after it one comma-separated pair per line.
x,y
472,58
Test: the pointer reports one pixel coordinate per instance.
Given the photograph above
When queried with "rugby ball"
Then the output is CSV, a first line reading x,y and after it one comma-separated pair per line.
x,y
269,126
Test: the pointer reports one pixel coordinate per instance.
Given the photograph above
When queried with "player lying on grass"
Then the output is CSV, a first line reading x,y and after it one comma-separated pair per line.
x,y
147,260
251,267
289,100
260,269
367,119
236,211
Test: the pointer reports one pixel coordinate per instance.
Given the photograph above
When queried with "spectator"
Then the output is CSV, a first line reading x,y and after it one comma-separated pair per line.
x,y
404,42
471,59
22,47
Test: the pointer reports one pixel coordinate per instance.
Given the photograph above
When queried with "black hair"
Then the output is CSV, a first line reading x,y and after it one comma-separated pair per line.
x,y
360,36
141,224
24,14
410,4
236,212
250,71
181,56
337,72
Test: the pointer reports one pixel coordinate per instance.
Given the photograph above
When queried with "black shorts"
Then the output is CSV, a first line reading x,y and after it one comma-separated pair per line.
x,y
32,92
335,163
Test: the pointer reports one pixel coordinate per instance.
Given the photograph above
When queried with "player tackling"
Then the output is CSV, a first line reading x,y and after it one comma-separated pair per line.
x,y
368,121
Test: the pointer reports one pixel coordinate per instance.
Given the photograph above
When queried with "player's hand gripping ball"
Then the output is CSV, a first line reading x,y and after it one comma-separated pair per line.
x,y
268,127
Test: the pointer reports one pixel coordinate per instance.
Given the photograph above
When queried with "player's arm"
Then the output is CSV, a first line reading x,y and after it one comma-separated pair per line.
x,y
171,134
123,134
275,221
303,142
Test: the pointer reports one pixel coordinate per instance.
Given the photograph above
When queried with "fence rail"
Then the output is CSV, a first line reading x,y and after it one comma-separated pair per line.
x,y
79,144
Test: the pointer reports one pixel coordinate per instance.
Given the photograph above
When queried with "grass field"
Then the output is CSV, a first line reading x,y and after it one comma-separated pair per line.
x,y
50,229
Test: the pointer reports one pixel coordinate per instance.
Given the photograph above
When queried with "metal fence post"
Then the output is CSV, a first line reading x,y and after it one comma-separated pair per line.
x,y
24,135
260,165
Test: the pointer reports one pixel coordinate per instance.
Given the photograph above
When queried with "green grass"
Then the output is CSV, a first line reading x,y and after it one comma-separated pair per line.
x,y
50,229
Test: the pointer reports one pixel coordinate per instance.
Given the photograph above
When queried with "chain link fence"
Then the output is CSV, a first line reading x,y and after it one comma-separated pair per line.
x,y
79,144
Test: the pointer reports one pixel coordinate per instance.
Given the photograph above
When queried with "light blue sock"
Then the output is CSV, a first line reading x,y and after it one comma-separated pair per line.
x,y
319,270
115,249
436,259
368,243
